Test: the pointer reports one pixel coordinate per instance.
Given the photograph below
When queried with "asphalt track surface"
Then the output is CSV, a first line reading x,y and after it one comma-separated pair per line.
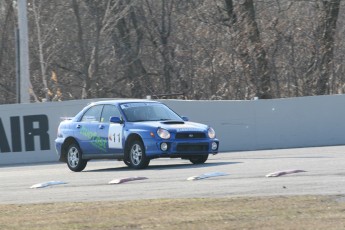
x,y
167,178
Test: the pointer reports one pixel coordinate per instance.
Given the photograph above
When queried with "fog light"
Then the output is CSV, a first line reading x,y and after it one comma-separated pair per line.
x,y
214,145
164,146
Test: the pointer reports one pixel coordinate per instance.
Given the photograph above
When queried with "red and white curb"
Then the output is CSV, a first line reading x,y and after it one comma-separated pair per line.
x,y
207,175
46,184
281,173
126,179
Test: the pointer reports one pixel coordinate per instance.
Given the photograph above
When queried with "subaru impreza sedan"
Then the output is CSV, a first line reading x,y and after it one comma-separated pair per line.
x,y
132,131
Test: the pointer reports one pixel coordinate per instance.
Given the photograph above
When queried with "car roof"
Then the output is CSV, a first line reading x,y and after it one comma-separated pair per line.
x,y
122,101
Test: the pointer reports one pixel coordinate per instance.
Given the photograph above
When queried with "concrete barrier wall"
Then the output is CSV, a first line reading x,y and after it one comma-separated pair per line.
x,y
240,125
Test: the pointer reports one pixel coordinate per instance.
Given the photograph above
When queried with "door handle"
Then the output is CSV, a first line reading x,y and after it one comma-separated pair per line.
x,y
78,126
101,126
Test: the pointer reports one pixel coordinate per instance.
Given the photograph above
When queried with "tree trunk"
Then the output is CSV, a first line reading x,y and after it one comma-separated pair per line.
x,y
261,75
85,69
330,12
128,53
40,51
160,32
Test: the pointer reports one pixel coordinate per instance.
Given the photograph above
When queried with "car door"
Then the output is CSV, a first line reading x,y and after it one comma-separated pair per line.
x,y
87,132
110,132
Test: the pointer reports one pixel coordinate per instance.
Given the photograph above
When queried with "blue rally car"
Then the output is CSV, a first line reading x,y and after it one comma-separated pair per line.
x,y
133,131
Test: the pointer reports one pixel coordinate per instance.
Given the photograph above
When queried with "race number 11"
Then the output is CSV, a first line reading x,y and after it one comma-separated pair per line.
x,y
115,132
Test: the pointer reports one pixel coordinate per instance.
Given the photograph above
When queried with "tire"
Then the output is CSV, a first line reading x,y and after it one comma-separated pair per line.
x,y
136,155
200,159
74,158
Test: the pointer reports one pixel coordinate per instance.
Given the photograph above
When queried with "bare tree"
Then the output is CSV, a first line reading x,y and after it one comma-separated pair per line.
x,y
328,22
127,37
159,28
43,64
254,49
7,53
220,49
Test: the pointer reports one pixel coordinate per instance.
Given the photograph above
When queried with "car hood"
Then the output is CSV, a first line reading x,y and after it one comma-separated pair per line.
x,y
176,126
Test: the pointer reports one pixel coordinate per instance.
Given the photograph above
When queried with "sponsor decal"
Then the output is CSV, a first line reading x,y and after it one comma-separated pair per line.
x,y
97,141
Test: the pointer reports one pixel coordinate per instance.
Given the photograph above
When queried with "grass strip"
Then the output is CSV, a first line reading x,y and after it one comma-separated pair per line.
x,y
290,212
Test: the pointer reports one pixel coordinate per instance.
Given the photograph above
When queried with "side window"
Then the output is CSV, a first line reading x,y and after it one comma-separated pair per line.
x,y
93,114
109,111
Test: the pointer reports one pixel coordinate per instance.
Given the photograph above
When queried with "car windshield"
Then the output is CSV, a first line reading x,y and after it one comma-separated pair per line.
x,y
146,111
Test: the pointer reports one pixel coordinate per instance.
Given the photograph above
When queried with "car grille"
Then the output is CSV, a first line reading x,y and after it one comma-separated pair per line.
x,y
192,147
190,135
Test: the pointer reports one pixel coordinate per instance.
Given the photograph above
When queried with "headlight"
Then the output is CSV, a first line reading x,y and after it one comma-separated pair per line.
x,y
163,133
211,133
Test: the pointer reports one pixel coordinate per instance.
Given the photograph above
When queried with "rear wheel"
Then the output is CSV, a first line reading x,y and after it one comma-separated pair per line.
x,y
74,158
200,159
137,156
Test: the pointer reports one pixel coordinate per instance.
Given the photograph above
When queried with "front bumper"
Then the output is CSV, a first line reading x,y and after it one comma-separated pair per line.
x,y
181,148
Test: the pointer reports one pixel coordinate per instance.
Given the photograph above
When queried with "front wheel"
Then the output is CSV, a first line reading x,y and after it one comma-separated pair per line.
x,y
128,163
198,159
137,156
74,160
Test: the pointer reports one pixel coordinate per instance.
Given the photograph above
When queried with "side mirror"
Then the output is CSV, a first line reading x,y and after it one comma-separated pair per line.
x,y
185,118
116,120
